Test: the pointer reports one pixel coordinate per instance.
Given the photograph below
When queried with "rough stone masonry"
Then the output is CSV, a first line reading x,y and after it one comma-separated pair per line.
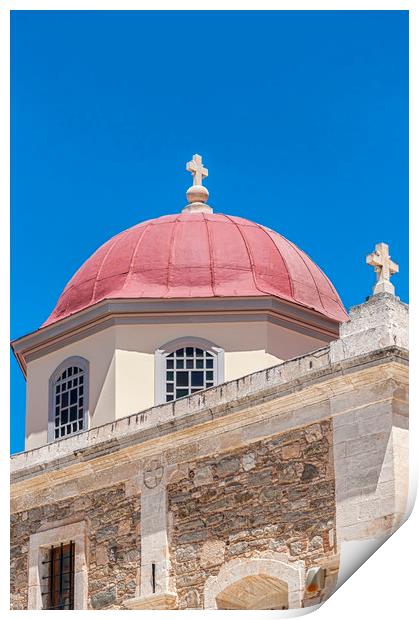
x,y
113,526
278,495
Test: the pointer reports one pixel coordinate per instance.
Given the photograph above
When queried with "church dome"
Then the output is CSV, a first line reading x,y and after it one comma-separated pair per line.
x,y
199,255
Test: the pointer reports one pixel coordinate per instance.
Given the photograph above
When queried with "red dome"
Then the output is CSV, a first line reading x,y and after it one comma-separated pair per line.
x,y
199,255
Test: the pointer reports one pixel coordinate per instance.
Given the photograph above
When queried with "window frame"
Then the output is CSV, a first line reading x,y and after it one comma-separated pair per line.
x,y
82,363
39,547
58,554
187,341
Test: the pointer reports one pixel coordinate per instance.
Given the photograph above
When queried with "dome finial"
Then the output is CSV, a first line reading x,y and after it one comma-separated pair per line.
x,y
197,194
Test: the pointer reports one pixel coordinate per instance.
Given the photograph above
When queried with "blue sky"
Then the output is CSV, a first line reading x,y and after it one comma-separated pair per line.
x,y
301,117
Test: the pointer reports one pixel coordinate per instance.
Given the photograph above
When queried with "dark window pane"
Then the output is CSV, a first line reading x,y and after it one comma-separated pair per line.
x,y
182,378
70,372
180,352
169,397
75,381
62,431
189,351
60,579
64,417
209,375
189,363
64,375
169,376
199,352
80,425
208,354
73,413
81,379
74,427
170,355
197,378
169,388
57,389
80,416
195,390
210,363
180,393
57,432
68,427
73,396
179,363
57,411
64,399
169,363
81,401
199,363
81,390
57,400
209,384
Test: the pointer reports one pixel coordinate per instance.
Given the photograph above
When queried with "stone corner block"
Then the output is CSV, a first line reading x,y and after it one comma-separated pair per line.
x,y
381,321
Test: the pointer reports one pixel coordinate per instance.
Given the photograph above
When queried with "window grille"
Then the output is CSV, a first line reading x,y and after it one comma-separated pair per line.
x,y
187,371
59,581
69,404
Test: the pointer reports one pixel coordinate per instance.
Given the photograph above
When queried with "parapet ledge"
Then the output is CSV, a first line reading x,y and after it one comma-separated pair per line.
x,y
226,399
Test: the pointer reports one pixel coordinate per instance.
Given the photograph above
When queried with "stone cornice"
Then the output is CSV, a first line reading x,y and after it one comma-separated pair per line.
x,y
278,390
145,311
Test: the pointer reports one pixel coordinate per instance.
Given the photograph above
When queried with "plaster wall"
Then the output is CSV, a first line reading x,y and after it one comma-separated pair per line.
x,y
245,346
99,350
285,343
121,360
249,347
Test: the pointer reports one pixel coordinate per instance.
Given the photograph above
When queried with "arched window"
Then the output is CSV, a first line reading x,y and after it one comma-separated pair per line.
x,y
68,399
185,366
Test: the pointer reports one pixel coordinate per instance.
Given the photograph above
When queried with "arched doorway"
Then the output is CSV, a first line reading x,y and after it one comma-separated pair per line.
x,y
262,582
254,592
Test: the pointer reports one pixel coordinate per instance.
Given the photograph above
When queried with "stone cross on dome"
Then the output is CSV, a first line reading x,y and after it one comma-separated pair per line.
x,y
197,169
384,267
197,194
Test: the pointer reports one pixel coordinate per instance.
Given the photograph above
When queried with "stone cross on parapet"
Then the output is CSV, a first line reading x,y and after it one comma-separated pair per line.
x,y
197,169
384,267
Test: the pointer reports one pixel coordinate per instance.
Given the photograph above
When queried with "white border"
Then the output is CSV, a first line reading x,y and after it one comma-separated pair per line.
x,y
385,586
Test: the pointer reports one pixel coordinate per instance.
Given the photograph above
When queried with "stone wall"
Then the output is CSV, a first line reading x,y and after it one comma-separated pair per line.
x,y
275,495
113,547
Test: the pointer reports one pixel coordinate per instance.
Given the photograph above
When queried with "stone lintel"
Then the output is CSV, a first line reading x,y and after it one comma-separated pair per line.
x,y
160,600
